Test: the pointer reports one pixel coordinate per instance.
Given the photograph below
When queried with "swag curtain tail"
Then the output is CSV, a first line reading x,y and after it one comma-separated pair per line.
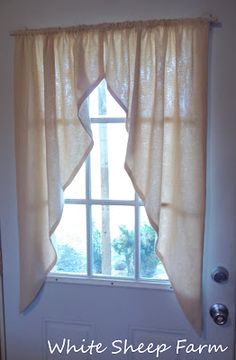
x,y
158,73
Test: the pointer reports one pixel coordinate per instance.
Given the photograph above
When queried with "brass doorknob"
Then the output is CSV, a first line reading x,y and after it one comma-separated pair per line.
x,y
219,313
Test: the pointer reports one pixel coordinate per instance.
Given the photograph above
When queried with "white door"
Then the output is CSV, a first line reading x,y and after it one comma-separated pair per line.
x,y
118,315
101,319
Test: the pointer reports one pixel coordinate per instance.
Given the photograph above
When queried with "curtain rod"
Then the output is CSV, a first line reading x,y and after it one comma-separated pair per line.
x,y
212,20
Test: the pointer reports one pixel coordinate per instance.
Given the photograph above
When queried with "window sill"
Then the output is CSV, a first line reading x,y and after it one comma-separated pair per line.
x,y
103,281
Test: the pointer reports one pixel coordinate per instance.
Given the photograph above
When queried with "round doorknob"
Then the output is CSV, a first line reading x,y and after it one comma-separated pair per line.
x,y
219,313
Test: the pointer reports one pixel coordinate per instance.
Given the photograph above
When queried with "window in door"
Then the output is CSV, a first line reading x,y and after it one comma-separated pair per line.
x,y
104,231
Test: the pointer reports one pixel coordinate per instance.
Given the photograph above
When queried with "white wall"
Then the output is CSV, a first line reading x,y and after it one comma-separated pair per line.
x,y
16,14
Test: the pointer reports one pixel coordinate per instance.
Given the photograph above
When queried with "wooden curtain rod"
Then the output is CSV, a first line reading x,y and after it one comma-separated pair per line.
x,y
104,26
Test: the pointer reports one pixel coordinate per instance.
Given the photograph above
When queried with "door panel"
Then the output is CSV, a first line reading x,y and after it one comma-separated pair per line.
x,y
104,314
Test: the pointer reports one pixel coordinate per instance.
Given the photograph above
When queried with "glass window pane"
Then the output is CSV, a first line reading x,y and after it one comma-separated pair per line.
x,y
113,240
76,190
70,241
93,104
150,265
110,107
109,179
113,108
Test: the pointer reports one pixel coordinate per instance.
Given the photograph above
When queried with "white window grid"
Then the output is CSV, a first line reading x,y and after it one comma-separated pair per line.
x,y
99,116
136,203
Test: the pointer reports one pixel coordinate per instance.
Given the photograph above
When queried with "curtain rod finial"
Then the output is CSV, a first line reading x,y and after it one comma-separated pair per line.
x,y
211,18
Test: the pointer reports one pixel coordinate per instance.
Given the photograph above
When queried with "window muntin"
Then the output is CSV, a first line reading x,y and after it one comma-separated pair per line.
x,y
104,231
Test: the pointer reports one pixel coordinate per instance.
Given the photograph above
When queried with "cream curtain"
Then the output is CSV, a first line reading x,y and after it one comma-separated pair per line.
x,y
157,71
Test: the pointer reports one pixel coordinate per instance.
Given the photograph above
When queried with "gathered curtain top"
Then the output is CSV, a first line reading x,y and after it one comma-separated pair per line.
x,y
118,25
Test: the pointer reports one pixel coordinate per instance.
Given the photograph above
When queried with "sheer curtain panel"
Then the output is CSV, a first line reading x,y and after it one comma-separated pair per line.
x,y
157,71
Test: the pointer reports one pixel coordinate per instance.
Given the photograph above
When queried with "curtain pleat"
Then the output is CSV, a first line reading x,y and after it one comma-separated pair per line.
x,y
158,74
